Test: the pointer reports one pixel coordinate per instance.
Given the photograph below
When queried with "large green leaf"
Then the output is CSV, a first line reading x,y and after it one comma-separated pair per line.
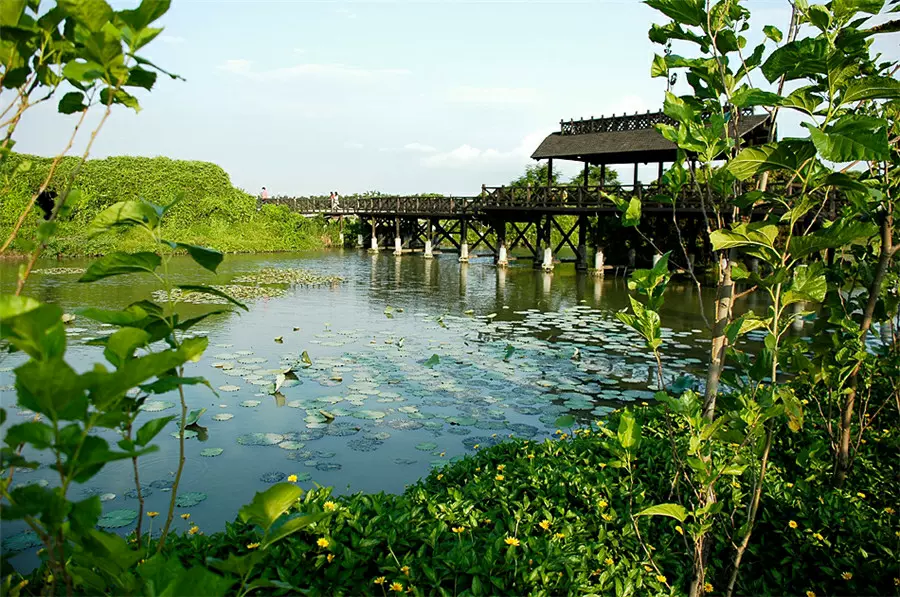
x,y
121,345
844,9
214,292
127,316
773,33
124,213
629,432
750,96
675,511
51,388
72,102
118,263
804,99
632,214
38,331
809,284
13,306
797,60
151,429
870,88
93,14
788,155
205,257
292,526
147,12
267,506
853,137
841,233
167,383
756,234
10,12
685,12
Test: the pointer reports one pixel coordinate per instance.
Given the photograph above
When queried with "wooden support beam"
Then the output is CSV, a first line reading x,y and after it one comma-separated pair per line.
x,y
581,251
538,245
483,238
549,173
566,236
602,175
520,236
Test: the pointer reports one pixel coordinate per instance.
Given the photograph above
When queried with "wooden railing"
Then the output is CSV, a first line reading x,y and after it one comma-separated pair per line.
x,y
626,122
407,205
574,197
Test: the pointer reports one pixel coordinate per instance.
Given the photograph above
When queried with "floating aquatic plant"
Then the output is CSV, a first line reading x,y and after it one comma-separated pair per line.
x,y
117,518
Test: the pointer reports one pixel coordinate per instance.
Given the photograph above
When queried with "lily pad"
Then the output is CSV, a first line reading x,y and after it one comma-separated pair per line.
x,y
368,414
426,446
229,388
260,439
223,417
153,406
211,452
291,445
328,466
364,445
117,518
250,403
189,499
21,541
272,477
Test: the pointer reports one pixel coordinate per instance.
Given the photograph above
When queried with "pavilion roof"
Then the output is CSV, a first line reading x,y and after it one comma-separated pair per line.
x,y
629,139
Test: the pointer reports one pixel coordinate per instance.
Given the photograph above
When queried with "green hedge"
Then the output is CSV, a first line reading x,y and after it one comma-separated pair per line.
x,y
214,212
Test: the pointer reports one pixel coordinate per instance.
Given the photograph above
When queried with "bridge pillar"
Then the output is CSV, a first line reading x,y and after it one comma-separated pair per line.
x,y
398,240
598,262
538,243
360,241
463,241
374,247
581,256
547,264
429,238
502,257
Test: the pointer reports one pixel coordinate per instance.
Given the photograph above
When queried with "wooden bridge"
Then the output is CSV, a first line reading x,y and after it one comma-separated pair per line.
x,y
426,222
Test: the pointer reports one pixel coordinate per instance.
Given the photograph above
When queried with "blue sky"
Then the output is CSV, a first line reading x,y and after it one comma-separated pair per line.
x,y
307,97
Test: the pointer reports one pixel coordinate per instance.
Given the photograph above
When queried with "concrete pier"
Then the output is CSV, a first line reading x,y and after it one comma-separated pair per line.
x,y
428,252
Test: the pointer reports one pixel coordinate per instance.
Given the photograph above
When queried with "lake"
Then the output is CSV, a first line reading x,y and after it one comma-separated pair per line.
x,y
418,361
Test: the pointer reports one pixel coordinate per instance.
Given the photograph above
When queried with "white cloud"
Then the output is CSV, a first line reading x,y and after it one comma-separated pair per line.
x,y
353,145
346,13
172,39
299,50
419,147
493,95
343,71
466,156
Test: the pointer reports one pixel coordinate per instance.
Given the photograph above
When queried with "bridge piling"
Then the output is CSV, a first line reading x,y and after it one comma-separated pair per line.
x,y
429,239
502,257
398,240
581,253
463,240
547,264
374,247
598,262
360,241
538,243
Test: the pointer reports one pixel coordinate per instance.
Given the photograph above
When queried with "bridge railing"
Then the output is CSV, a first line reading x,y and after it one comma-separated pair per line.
x,y
412,204
575,197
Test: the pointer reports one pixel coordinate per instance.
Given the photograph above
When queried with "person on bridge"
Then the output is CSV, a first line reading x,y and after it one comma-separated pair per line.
x,y
263,196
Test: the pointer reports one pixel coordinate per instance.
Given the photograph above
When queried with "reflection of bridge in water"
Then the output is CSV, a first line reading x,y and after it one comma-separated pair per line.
x,y
465,223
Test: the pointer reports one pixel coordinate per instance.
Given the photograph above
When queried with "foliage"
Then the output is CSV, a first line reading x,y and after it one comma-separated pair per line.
x,y
536,175
610,177
213,213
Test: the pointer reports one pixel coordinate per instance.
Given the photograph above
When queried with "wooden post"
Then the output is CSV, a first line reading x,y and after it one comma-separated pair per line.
x,y
539,235
587,167
581,256
502,257
602,175
547,263
463,240
634,188
429,238
374,246
659,177
398,240
549,173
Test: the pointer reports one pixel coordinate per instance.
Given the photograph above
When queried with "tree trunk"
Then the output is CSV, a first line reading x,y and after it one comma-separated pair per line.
x,y
724,298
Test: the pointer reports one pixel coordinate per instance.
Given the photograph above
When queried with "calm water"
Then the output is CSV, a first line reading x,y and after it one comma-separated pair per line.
x,y
534,347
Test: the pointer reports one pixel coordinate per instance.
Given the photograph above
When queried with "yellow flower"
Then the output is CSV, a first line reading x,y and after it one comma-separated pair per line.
x,y
648,568
789,484
379,580
459,530
847,575
193,530
708,588
185,516
608,561
397,587
330,558
442,454
440,476
792,524
889,510
602,465
679,529
475,447
292,478
861,494
252,545
897,582
607,517
512,541
499,477
559,432
152,514
544,524
486,521
478,470
819,536
330,506
660,578
500,467
322,542
602,504
810,594
559,536
405,570
531,457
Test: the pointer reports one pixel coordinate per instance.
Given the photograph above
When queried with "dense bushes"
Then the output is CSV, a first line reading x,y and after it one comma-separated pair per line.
x,y
213,213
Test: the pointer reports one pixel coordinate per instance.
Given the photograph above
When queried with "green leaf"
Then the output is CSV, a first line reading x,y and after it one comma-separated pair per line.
x,y
267,506
684,12
755,234
750,96
138,77
194,416
675,511
804,99
819,17
659,68
632,214
212,291
39,435
809,284
565,421
145,14
743,324
240,566
93,14
797,60
773,33
119,263
13,306
10,12
51,388
853,137
629,432
110,96
841,233
71,103
206,258
292,526
151,429
124,213
167,383
788,155
37,331
128,316
845,9
84,515
82,72
869,88
121,345
432,361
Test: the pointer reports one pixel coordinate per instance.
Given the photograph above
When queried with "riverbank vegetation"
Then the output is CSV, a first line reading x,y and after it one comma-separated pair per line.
x,y
774,473
213,213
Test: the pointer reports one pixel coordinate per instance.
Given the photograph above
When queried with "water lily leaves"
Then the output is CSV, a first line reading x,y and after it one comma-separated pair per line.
x,y
291,445
364,445
229,388
260,439
251,360
404,461
426,446
432,361
342,429
189,499
465,421
404,425
328,466
303,477
20,541
162,484
250,403
117,518
369,414
223,417
153,406
272,477
188,434
211,452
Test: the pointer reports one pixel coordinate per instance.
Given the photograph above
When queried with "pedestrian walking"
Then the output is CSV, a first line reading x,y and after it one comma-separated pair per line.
x,y
263,197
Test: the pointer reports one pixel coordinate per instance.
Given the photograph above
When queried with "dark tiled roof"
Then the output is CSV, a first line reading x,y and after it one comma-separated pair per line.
x,y
626,146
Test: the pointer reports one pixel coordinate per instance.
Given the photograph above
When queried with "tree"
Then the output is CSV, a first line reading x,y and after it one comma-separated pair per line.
x,y
610,177
535,175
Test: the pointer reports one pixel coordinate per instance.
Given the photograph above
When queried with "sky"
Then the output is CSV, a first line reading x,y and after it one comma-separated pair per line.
x,y
307,97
